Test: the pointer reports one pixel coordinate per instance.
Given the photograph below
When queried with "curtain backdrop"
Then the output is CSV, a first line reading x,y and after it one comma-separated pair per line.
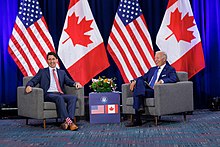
x,y
206,14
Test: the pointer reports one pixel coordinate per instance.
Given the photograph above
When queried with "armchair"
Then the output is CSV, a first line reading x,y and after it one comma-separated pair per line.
x,y
32,105
169,98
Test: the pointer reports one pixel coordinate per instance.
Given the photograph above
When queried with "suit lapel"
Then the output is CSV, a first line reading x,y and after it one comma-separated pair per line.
x,y
163,72
59,75
152,73
48,73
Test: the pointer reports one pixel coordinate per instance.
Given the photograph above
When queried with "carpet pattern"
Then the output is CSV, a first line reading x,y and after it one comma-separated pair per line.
x,y
201,129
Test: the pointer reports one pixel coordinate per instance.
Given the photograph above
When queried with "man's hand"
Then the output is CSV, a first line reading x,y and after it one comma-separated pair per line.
x,y
28,89
159,82
78,85
132,85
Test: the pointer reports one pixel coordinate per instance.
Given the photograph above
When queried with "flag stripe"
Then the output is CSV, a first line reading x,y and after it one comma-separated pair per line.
x,y
135,31
72,3
97,109
22,52
18,62
145,37
106,109
129,43
18,59
30,40
24,49
41,29
125,75
34,50
188,63
171,2
91,63
140,41
47,41
35,36
116,55
134,56
124,48
116,108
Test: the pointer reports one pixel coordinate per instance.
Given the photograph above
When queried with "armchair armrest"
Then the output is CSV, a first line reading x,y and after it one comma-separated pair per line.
x,y
126,90
126,93
173,97
79,93
31,104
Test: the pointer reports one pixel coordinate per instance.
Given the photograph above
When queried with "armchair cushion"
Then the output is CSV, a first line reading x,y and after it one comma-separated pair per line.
x,y
149,102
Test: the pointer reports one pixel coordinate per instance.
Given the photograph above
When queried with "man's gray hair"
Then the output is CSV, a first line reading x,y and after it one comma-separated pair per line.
x,y
164,54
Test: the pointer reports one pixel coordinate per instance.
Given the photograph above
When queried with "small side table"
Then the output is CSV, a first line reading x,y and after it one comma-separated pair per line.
x,y
104,107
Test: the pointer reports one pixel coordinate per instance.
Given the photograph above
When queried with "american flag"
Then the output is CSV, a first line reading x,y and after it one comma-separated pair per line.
x,y
97,109
130,43
30,40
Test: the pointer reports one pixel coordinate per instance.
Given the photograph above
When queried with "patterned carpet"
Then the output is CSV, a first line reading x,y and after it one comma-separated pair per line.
x,y
201,129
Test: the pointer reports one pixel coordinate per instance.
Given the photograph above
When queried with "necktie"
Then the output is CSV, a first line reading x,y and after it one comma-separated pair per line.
x,y
57,81
153,80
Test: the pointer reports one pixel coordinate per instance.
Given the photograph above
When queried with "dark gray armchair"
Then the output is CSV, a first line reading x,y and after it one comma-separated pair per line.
x,y
32,105
169,98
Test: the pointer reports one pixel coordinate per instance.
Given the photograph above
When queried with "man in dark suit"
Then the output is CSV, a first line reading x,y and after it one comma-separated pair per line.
x,y
143,87
52,81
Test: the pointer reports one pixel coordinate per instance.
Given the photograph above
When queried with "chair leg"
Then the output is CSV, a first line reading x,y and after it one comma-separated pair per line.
x,y
159,117
131,117
184,116
26,121
44,121
156,120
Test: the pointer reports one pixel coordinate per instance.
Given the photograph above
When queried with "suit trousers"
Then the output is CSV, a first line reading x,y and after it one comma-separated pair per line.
x,y
61,100
141,91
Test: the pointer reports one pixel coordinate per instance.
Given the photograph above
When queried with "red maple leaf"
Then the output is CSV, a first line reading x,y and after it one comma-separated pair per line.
x,y
111,109
180,27
76,31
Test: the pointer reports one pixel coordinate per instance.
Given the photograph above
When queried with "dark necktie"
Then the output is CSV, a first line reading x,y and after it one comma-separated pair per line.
x,y
152,82
57,81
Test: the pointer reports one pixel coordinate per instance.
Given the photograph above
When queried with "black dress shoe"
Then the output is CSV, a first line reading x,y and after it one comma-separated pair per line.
x,y
141,110
134,124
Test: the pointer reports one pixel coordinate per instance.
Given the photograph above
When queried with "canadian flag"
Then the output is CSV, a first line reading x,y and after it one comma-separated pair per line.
x,y
81,47
113,108
179,37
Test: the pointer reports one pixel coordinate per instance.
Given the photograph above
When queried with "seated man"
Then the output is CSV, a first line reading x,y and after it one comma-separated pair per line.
x,y
161,73
52,81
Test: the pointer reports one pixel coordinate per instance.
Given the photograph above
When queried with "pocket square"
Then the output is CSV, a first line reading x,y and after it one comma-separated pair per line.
x,y
163,75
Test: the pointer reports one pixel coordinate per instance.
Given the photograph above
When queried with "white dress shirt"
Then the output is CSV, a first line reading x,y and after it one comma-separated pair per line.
x,y
159,72
53,86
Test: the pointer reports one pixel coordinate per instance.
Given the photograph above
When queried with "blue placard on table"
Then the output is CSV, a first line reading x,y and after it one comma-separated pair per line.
x,y
104,107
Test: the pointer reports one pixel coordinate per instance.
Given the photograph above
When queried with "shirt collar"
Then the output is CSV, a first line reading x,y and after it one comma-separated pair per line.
x,y
51,69
162,67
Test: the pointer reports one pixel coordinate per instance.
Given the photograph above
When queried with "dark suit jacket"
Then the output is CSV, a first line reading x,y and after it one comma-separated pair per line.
x,y
43,79
168,75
